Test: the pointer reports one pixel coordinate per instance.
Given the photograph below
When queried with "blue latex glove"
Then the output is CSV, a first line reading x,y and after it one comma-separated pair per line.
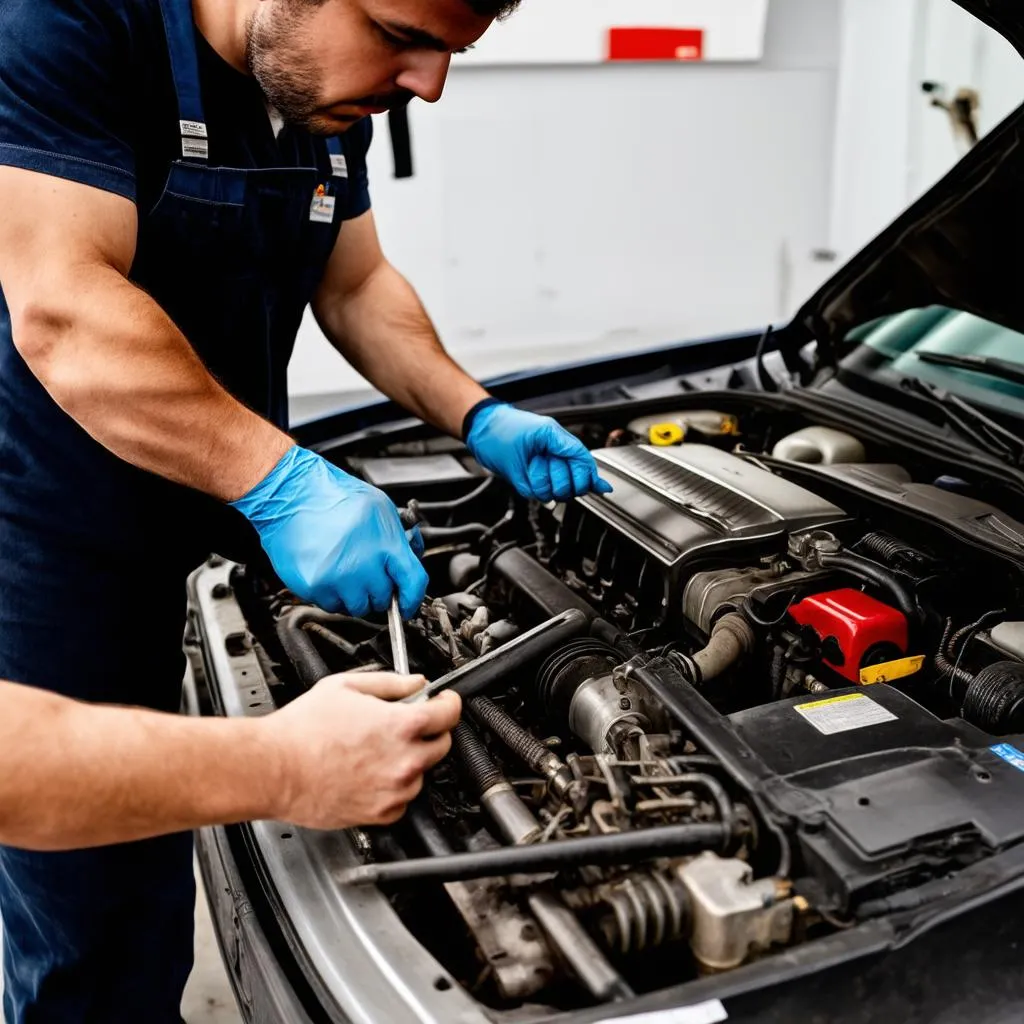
x,y
333,539
538,457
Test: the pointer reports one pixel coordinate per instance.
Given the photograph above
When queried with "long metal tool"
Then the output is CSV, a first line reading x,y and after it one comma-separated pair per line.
x,y
504,662
396,629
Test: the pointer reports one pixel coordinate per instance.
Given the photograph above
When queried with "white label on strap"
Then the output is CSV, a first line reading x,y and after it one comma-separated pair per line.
x,y
195,147
711,1012
321,210
193,130
339,165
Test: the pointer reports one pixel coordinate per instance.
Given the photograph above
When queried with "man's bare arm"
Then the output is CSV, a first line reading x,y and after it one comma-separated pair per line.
x,y
372,315
106,352
74,775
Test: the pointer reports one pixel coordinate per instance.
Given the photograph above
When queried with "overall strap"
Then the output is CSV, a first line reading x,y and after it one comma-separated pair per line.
x,y
181,43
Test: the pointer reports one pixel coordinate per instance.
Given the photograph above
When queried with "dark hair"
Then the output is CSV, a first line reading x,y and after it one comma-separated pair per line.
x,y
495,8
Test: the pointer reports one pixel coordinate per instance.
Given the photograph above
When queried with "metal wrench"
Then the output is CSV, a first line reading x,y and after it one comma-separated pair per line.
x,y
396,630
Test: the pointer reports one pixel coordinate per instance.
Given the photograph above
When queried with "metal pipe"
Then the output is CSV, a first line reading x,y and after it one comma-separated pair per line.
x,y
578,949
618,848
427,831
330,637
476,676
497,797
519,827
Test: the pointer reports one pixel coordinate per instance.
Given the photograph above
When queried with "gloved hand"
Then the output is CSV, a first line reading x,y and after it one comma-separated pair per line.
x,y
538,457
333,539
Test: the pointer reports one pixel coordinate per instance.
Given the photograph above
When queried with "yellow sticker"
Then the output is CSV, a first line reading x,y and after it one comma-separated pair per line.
x,y
663,435
830,700
899,669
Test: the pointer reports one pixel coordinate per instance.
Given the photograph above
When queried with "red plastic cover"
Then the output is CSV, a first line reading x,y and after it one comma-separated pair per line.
x,y
857,621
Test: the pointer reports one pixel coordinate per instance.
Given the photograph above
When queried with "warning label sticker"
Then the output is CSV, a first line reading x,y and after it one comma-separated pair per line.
x,y
841,714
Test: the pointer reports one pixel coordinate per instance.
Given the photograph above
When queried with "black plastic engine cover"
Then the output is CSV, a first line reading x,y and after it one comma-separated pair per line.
x,y
673,508
899,794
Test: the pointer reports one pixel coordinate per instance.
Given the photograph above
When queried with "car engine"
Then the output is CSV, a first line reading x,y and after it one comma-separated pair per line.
x,y
758,694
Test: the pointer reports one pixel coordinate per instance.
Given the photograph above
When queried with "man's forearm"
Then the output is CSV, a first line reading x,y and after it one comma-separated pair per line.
x,y
117,364
76,775
383,330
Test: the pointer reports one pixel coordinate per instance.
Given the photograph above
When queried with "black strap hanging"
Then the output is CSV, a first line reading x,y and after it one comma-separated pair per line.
x,y
401,141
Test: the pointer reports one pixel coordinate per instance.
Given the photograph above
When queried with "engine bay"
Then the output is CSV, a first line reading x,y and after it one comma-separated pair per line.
x,y
769,688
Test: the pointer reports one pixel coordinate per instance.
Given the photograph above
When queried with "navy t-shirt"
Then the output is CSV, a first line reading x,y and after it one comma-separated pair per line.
x,y
86,94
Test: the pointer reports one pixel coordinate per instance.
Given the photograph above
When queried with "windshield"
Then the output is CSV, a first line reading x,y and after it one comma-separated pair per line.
x,y
889,349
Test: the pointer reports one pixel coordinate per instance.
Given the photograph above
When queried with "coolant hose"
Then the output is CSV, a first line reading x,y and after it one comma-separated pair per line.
x,y
298,645
731,638
872,572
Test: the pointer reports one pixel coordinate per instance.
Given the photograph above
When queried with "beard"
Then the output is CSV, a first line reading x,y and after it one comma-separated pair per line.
x,y
290,79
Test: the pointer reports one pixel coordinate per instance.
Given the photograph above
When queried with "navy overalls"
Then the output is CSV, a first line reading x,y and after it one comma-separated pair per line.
x,y
94,553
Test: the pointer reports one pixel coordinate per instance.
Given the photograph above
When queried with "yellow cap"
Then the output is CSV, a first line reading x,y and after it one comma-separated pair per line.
x,y
666,434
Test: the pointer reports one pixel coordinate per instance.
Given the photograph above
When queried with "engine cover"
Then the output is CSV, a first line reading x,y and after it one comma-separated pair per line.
x,y
673,508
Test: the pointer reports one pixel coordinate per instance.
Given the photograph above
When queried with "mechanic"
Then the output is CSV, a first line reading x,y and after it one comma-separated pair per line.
x,y
179,180
77,775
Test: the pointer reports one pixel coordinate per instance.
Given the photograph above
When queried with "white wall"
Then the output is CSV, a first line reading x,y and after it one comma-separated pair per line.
x,y
891,144
563,211
558,212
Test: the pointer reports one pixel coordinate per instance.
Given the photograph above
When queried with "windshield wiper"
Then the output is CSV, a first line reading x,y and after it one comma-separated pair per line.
x,y
1003,369
969,422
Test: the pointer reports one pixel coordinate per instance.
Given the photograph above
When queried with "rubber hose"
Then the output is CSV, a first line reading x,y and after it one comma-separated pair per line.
x,y
452,534
731,638
477,761
307,661
447,506
893,553
872,572
995,699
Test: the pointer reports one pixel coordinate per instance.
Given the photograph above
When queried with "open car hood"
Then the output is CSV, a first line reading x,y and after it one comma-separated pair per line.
x,y
949,248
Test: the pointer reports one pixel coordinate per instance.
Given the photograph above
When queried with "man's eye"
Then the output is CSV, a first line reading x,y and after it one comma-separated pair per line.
x,y
465,49
391,39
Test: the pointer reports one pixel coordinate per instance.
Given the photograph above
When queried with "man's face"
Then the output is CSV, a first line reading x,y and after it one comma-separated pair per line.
x,y
324,66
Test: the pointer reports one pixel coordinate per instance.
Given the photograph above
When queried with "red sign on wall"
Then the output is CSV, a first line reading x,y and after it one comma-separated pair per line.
x,y
636,43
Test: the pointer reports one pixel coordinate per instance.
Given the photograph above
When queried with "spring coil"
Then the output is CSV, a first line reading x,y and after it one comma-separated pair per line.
x,y
526,747
475,759
642,911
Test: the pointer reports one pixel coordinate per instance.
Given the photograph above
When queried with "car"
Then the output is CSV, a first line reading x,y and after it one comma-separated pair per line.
x,y
744,738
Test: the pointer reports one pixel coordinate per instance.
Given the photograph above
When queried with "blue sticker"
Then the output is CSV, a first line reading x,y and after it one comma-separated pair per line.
x,y
1010,754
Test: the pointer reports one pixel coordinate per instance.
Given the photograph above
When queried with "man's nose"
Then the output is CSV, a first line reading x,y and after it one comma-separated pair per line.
x,y
425,75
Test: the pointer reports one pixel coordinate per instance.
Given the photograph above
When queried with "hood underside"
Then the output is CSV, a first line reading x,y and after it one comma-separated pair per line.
x,y
958,246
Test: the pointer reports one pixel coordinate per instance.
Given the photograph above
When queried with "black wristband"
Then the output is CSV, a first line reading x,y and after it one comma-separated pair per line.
x,y
484,403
